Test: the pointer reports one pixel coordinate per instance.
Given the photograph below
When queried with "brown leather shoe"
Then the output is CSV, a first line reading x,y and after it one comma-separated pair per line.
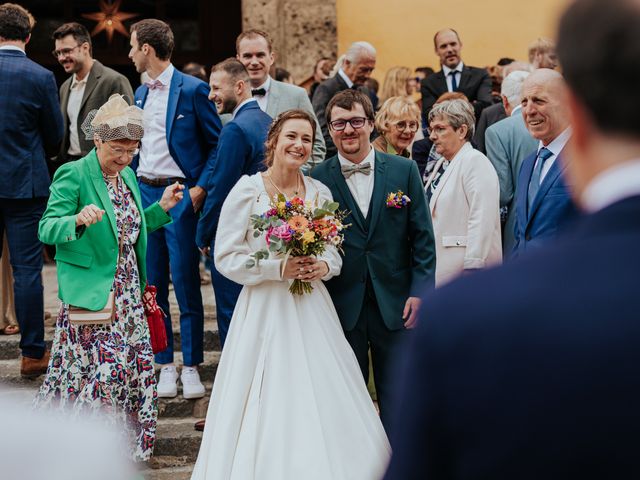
x,y
199,426
33,367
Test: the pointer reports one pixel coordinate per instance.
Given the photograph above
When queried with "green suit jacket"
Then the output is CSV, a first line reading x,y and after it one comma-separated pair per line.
x,y
394,246
86,257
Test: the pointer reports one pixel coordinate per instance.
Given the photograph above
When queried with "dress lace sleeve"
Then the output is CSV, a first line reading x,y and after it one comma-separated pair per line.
x,y
331,254
231,248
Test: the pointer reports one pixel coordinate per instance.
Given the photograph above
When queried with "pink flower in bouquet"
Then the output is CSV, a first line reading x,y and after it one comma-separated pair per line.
x,y
282,231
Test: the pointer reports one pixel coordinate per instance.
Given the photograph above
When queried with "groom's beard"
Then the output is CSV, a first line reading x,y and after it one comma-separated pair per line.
x,y
351,144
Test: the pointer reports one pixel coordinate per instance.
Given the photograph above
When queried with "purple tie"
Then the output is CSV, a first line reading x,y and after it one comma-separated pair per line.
x,y
152,85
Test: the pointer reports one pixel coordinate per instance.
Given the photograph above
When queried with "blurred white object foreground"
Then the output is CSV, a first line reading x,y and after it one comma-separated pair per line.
x,y
37,445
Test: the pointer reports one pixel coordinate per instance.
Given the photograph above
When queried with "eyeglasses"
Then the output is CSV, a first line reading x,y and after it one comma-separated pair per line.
x,y
402,125
64,51
121,151
355,122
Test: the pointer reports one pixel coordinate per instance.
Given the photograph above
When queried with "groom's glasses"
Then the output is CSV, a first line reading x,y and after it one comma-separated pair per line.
x,y
355,122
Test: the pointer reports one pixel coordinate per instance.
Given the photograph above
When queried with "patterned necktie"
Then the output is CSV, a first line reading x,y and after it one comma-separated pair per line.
x,y
154,84
348,170
454,84
534,183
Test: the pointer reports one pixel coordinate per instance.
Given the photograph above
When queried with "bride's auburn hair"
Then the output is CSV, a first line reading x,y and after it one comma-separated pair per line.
x,y
276,129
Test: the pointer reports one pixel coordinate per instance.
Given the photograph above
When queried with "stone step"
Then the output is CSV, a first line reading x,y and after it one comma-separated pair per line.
x,y
10,344
168,473
177,443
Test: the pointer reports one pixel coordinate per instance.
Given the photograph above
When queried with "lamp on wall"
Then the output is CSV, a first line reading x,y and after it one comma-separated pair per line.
x,y
110,19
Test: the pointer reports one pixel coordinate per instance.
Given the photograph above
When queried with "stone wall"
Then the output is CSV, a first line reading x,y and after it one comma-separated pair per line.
x,y
302,31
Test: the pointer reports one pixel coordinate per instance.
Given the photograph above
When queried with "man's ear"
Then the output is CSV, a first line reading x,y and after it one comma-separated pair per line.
x,y
28,39
240,87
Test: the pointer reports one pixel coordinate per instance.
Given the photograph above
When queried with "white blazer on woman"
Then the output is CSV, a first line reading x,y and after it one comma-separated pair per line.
x,y
465,210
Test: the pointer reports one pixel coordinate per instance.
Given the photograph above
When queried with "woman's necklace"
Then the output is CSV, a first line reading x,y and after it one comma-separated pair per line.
x,y
295,192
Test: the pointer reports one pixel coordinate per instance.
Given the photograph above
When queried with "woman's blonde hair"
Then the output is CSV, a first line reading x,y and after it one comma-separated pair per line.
x,y
396,109
276,129
395,83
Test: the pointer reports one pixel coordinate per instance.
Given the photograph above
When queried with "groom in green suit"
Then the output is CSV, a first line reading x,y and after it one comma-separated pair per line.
x,y
389,252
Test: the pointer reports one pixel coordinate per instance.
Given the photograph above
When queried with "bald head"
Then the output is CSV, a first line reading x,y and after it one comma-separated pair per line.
x,y
448,46
544,105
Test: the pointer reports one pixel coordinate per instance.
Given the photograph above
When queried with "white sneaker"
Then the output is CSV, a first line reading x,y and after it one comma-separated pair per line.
x,y
191,385
168,383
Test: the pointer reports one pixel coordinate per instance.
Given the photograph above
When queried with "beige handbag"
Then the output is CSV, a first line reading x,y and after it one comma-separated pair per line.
x,y
81,316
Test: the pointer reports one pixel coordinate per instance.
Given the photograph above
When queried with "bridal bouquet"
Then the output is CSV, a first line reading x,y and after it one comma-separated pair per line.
x,y
294,228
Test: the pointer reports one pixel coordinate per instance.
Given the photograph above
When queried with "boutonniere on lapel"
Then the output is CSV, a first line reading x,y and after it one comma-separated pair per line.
x,y
397,199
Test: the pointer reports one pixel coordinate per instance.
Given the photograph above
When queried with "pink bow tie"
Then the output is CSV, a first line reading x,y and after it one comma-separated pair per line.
x,y
152,85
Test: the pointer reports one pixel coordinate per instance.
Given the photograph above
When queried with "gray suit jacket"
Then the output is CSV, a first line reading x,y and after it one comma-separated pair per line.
x,y
284,96
508,144
101,84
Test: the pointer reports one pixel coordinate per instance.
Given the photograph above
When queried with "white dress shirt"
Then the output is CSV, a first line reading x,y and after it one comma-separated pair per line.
x,y
361,185
12,47
263,99
555,147
155,158
458,74
73,109
515,110
345,78
611,186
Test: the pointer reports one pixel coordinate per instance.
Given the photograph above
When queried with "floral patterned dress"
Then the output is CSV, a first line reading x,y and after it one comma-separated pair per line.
x,y
109,369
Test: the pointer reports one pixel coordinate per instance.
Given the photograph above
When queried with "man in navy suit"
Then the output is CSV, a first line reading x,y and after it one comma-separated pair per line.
x,y
530,371
543,203
179,145
240,152
455,76
30,130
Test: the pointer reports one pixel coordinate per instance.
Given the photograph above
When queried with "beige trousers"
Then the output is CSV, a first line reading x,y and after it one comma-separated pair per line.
x,y
7,306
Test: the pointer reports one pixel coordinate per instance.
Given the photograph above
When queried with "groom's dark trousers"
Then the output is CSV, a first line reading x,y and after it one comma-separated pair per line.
x,y
389,256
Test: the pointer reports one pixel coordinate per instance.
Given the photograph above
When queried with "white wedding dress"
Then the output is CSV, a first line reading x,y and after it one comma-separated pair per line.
x,y
289,401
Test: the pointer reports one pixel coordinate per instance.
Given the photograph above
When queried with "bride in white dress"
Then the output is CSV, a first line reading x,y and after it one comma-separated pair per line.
x,y
288,402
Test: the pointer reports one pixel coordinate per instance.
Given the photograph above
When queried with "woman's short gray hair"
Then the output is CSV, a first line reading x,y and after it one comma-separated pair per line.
x,y
457,112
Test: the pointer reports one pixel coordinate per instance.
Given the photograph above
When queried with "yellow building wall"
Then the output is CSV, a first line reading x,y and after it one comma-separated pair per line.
x,y
402,30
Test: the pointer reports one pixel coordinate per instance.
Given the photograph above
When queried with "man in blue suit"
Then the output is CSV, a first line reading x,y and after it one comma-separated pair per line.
x,y
508,143
543,202
240,152
30,130
530,371
179,145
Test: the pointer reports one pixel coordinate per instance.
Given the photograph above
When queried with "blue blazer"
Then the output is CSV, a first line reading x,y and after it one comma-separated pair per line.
x,y
551,210
240,152
31,127
530,371
193,127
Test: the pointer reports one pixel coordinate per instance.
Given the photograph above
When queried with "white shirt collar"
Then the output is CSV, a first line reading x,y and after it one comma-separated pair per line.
x,y
612,185
558,143
266,85
78,83
458,68
370,158
242,104
515,110
12,47
345,78
166,76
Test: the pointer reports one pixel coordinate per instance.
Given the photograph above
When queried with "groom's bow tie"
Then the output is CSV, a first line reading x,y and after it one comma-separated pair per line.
x,y
154,84
258,92
348,170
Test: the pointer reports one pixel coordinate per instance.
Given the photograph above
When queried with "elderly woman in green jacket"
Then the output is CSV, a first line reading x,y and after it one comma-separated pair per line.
x,y
95,218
